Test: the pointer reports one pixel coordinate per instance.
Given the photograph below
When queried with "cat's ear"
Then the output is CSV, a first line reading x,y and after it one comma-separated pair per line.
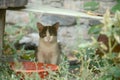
x,y
56,25
40,26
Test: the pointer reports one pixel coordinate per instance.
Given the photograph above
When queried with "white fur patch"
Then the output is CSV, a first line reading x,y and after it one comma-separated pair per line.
x,y
30,38
48,38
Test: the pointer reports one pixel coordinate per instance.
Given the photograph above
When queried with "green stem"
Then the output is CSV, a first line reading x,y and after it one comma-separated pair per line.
x,y
109,45
102,51
114,45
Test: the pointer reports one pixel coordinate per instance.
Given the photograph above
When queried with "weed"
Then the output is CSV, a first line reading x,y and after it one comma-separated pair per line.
x,y
91,66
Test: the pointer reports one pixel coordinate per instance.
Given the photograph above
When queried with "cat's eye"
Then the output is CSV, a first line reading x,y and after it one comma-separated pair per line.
x,y
51,33
44,35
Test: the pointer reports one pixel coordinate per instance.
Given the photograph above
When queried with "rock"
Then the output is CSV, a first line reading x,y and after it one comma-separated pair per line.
x,y
56,4
34,1
15,17
50,1
84,21
106,0
32,38
106,5
53,3
73,5
93,22
49,19
29,42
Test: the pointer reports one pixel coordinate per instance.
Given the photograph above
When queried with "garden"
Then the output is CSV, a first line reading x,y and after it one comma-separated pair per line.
x,y
90,47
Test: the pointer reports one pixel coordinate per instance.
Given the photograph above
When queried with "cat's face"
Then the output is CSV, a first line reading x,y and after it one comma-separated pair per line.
x,y
48,33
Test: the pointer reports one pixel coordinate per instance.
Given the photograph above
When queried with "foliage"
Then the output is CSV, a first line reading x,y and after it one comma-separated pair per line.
x,y
111,28
92,5
91,67
116,7
14,33
6,73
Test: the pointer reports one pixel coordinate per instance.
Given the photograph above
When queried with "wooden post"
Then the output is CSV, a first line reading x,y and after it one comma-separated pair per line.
x,y
2,26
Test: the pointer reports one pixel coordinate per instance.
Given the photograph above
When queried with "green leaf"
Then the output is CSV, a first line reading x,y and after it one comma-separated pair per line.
x,y
118,1
28,55
84,45
94,30
116,8
117,38
10,30
92,5
105,78
115,71
117,19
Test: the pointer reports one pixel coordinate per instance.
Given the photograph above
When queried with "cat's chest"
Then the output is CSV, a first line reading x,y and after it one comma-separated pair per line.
x,y
48,49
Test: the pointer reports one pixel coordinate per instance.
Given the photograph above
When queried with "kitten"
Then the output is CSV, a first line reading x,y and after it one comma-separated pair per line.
x,y
48,48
